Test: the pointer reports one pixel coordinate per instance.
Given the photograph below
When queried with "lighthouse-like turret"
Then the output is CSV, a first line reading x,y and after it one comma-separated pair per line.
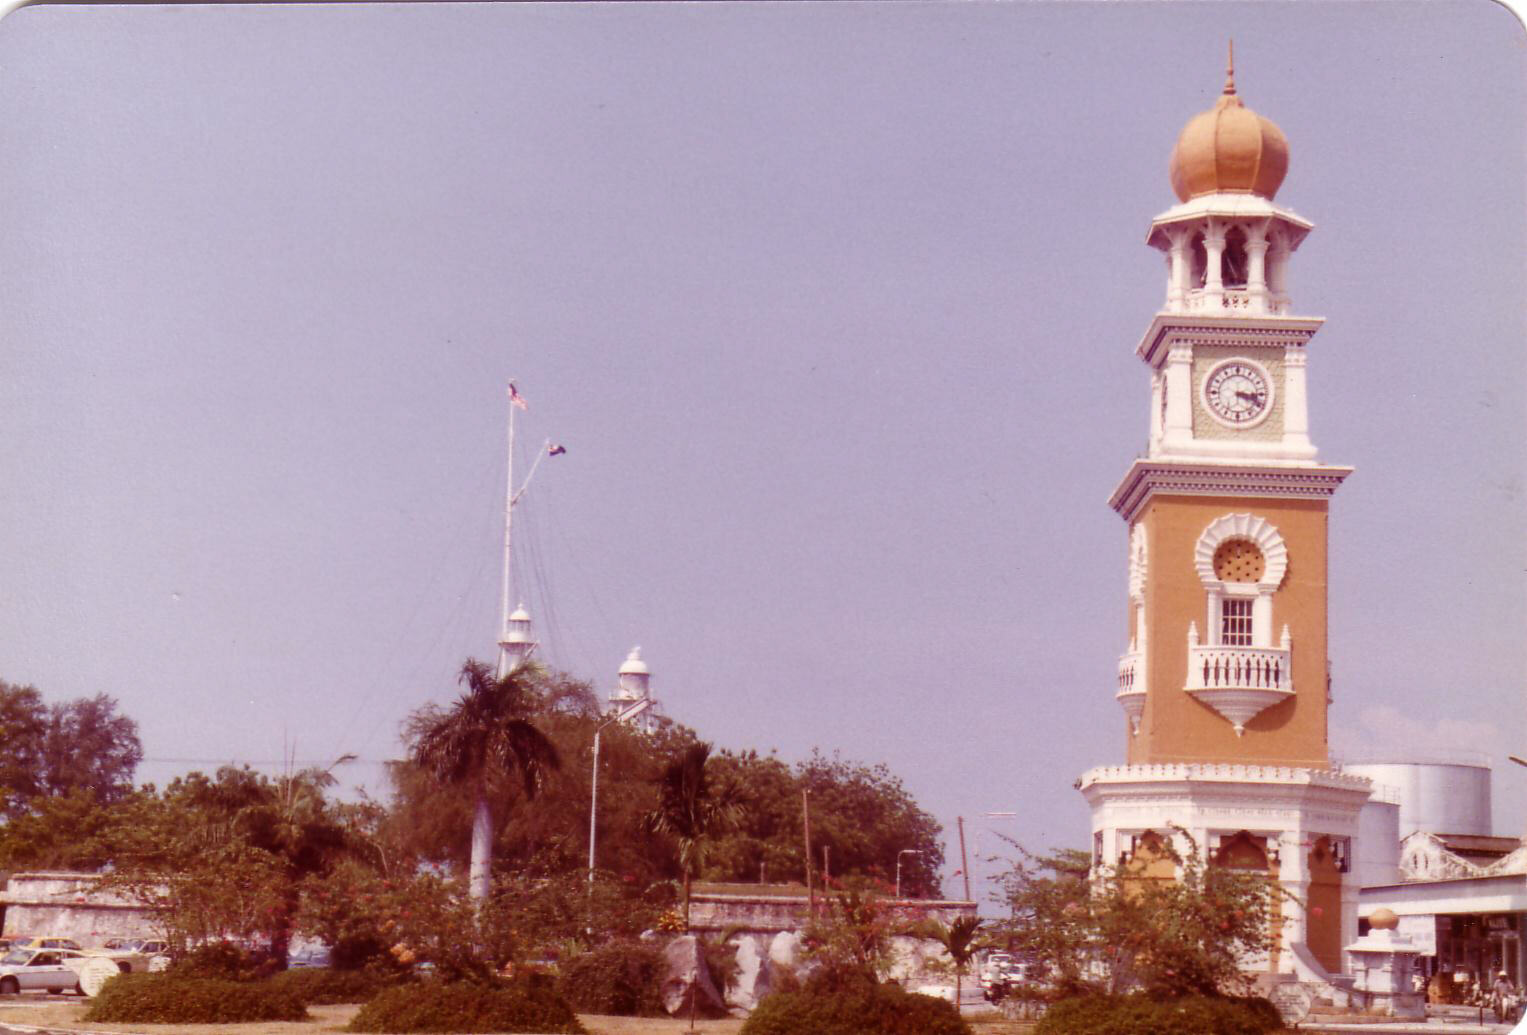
x,y
516,642
633,686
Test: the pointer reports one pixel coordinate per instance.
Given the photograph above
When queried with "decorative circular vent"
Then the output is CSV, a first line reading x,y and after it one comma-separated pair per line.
x,y
1239,560
1245,528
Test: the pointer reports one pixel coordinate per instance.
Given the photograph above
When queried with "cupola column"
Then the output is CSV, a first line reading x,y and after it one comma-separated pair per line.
x,y
1277,273
1179,269
1214,251
1256,266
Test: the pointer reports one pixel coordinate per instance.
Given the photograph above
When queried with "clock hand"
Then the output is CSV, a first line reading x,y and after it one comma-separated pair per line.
x,y
1248,396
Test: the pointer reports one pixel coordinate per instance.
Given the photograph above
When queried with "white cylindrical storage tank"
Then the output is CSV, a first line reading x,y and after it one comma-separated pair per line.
x,y
1377,852
1438,797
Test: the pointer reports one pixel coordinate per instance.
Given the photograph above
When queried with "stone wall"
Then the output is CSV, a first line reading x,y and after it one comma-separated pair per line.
x,y
765,922
71,905
771,908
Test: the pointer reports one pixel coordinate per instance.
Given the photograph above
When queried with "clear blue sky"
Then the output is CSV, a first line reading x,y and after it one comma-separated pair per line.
x,y
834,308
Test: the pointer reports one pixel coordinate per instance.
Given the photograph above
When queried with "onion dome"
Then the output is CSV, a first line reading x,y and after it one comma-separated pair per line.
x,y
1229,148
634,665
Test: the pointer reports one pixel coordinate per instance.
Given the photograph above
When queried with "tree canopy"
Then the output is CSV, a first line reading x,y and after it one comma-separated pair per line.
x,y
1114,929
55,749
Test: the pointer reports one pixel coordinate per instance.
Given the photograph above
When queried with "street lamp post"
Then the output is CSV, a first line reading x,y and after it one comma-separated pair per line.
x,y
904,851
624,715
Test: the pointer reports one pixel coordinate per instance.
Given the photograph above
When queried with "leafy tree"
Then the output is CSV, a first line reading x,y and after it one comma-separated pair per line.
x,y
1116,929
862,815
486,735
691,808
89,746
70,831
961,940
56,749
850,941
226,857
23,727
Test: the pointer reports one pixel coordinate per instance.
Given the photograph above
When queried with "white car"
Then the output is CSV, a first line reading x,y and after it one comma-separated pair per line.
x,y
132,955
53,970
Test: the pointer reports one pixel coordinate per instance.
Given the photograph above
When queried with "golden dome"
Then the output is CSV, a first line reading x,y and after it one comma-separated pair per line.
x,y
1383,919
1229,148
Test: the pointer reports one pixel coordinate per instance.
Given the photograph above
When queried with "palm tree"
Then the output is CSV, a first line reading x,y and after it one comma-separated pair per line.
x,y
961,941
487,734
690,809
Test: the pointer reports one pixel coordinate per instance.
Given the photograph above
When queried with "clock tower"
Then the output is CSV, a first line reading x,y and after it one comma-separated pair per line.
x,y
1224,682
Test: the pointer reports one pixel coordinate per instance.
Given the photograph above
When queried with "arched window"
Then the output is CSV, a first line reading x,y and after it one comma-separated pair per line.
x,y
1198,255
1232,264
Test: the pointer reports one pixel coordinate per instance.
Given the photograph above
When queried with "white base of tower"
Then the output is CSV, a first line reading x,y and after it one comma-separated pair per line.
x,y
1291,808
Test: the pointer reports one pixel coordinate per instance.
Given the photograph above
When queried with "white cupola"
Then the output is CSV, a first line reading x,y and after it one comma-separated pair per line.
x,y
633,679
633,693
516,643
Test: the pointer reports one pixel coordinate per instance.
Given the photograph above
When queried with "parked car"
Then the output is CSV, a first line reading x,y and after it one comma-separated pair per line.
x,y
315,957
54,970
48,942
142,946
131,955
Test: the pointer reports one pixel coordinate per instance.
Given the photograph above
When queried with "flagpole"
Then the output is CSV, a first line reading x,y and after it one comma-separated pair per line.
x,y
503,636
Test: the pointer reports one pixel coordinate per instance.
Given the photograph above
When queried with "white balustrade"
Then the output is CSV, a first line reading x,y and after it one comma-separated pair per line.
x,y
1131,673
1241,668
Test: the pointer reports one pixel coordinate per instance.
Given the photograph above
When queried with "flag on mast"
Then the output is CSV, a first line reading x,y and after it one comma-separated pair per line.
x,y
552,449
516,398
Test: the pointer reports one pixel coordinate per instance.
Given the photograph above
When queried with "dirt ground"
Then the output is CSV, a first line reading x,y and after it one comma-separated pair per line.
x,y
65,1016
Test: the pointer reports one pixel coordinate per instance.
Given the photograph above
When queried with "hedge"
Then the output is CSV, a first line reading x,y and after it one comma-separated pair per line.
x,y
168,999
319,986
863,1009
1130,1015
622,979
524,1005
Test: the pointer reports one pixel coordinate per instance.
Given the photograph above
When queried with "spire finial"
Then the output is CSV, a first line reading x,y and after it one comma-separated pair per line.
x,y
1230,70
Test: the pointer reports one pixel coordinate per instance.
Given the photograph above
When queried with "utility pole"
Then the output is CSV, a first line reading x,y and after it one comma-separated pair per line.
x,y
811,898
964,864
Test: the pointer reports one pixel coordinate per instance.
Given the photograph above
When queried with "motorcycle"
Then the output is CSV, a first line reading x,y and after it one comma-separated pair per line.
x,y
1508,1007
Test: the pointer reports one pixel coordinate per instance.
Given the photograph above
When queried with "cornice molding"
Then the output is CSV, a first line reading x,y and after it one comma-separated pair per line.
x,y
1169,329
1147,478
1224,772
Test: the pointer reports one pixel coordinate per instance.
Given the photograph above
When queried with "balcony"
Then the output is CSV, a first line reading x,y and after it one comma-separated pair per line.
x,y
1131,695
1239,682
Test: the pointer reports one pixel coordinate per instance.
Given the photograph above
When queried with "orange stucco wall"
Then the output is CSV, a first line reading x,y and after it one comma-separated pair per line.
x,y
1177,728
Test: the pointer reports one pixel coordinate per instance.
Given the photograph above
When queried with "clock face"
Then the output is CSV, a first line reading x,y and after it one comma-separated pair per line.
x,y
1238,392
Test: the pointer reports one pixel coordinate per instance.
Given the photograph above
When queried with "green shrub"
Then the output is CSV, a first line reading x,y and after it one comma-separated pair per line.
x,y
223,962
853,1007
621,979
523,1005
1130,1015
174,999
318,986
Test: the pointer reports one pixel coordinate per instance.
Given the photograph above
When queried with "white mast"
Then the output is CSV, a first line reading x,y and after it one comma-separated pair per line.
x,y
514,642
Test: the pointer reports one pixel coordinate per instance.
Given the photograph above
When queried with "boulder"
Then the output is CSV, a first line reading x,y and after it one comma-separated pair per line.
x,y
785,949
753,976
686,981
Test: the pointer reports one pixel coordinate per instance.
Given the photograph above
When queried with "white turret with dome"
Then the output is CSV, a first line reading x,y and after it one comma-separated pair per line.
x,y
633,686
